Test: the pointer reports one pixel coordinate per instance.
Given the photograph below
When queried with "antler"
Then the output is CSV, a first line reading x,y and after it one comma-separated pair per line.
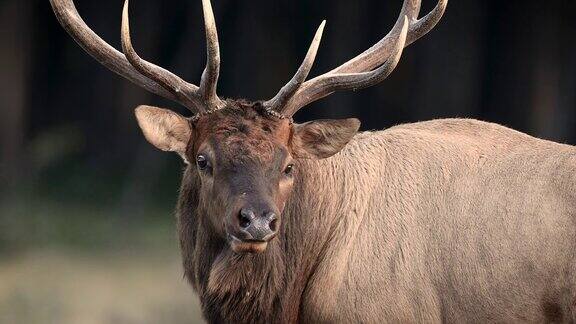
x,y
367,69
370,67
141,72
292,86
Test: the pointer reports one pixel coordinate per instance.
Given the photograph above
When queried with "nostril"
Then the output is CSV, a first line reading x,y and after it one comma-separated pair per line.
x,y
244,221
273,224
245,218
272,221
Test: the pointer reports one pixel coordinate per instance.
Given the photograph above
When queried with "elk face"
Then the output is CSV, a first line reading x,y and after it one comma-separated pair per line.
x,y
245,159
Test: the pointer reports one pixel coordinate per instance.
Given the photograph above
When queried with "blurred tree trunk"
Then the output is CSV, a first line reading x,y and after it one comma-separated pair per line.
x,y
567,61
546,118
447,73
14,56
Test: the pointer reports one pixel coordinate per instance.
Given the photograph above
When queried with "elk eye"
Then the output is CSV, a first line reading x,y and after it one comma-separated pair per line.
x,y
289,169
202,162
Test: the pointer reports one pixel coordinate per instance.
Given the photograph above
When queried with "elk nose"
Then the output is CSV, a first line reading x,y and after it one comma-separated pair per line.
x,y
258,227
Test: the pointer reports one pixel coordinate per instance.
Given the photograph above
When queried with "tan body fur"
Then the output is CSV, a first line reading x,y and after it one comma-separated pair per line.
x,y
449,220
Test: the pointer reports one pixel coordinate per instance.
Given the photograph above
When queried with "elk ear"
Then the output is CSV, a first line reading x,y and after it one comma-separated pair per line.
x,y
164,129
323,138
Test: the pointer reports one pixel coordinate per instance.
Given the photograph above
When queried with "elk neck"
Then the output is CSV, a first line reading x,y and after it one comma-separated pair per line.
x,y
268,286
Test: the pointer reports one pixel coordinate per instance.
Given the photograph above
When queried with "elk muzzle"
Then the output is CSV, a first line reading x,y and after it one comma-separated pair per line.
x,y
255,225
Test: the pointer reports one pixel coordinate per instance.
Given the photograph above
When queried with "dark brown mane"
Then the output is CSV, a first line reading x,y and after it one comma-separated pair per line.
x,y
251,288
244,287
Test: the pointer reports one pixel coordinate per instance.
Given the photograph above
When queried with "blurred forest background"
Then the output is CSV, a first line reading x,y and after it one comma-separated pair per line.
x,y
86,220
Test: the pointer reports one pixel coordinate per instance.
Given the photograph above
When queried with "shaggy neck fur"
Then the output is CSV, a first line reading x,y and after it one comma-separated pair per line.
x,y
265,287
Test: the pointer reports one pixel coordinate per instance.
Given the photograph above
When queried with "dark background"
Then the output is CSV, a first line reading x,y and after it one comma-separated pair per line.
x,y
76,174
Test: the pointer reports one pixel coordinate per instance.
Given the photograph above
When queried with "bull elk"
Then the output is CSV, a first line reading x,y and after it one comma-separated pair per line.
x,y
453,220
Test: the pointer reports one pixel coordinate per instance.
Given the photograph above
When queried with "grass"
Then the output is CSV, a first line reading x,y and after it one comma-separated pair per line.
x,y
52,286
78,263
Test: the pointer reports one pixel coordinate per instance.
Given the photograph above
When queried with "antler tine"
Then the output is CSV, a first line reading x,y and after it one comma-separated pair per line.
x,y
141,72
418,28
292,86
69,18
209,81
329,83
370,59
423,25
360,66
182,90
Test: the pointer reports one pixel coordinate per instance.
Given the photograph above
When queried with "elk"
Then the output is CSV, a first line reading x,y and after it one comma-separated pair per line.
x,y
452,220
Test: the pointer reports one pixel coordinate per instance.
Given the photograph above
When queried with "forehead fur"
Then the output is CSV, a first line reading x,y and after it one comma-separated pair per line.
x,y
245,129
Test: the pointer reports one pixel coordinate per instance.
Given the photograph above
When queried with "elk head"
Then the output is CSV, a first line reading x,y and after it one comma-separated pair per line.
x,y
244,152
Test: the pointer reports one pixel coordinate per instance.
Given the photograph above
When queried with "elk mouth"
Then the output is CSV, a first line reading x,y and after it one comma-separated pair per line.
x,y
247,246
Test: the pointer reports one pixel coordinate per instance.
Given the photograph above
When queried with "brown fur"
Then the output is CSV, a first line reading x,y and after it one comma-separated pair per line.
x,y
450,220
